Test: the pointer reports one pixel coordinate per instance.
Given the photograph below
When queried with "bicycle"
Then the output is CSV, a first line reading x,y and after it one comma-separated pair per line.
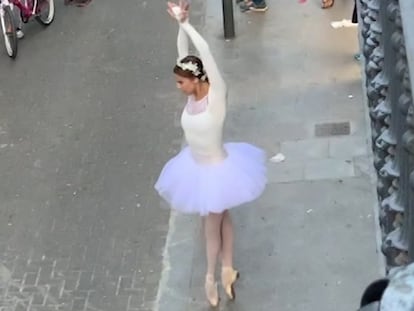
x,y
42,10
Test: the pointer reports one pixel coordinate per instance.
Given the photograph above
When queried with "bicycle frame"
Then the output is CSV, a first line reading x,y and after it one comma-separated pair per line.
x,y
27,8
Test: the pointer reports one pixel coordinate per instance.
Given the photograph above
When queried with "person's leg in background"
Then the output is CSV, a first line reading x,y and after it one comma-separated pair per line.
x,y
19,23
253,5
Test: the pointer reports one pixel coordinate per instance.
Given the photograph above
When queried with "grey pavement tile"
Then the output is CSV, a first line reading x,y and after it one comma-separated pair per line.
x,y
170,302
282,131
346,147
287,171
274,133
305,149
328,169
359,126
364,166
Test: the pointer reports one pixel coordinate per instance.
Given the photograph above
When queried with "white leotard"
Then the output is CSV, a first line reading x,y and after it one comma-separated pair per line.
x,y
203,131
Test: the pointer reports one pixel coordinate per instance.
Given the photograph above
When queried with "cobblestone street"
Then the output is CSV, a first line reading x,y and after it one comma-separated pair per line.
x,y
87,114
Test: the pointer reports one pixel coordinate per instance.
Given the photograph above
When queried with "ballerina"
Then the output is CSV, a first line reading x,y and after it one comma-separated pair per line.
x,y
209,177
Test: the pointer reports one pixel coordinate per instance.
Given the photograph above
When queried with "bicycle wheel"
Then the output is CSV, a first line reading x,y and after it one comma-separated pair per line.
x,y
45,12
9,32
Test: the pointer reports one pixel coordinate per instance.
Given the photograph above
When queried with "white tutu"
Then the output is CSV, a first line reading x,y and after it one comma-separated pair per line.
x,y
191,187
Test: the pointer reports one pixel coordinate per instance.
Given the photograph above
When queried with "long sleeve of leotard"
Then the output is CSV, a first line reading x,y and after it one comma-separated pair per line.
x,y
182,43
217,91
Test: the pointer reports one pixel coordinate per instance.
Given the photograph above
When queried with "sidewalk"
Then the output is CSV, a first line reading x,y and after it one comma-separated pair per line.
x,y
310,242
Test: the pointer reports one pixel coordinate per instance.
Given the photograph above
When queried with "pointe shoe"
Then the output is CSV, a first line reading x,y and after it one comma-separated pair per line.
x,y
211,291
228,277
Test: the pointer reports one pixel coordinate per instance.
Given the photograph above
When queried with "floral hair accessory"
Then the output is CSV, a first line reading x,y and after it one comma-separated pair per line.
x,y
193,68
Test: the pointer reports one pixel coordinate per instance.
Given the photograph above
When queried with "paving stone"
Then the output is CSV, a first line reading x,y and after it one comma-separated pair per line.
x,y
287,171
305,149
348,147
328,169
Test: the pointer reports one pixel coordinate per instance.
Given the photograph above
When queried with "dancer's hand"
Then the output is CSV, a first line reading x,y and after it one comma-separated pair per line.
x,y
179,11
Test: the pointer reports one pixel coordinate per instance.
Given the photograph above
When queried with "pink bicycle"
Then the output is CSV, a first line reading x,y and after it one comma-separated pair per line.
x,y
42,10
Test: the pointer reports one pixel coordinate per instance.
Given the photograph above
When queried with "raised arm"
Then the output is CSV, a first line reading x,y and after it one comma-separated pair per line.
x,y
217,83
182,44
